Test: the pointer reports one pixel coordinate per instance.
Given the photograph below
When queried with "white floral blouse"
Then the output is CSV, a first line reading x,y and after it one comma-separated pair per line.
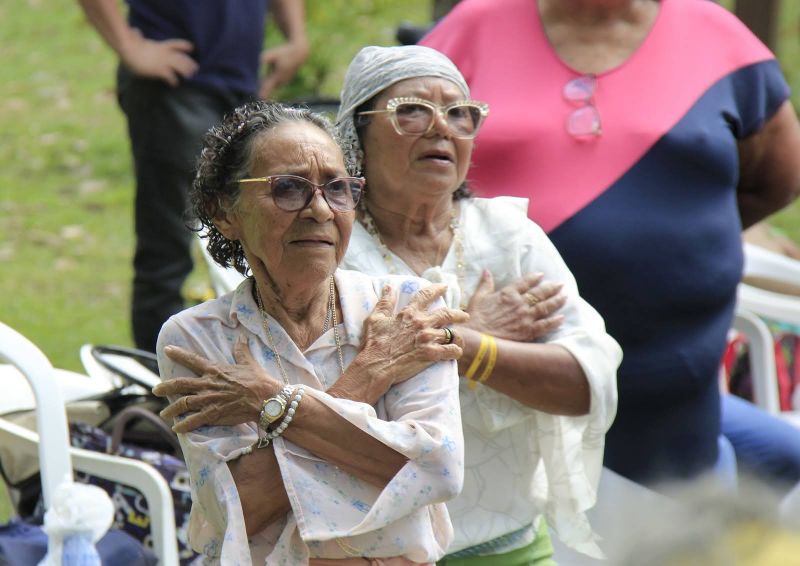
x,y
519,462
419,418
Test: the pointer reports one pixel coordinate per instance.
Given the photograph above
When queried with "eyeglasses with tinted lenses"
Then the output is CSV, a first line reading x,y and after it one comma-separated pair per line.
x,y
583,122
291,193
415,116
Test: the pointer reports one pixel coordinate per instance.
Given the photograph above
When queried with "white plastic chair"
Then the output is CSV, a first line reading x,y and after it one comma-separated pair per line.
x,y
105,363
755,304
761,263
57,458
762,359
51,417
223,280
18,396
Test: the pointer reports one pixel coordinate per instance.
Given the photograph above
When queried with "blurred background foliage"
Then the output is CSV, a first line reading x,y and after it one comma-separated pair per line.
x,y
337,29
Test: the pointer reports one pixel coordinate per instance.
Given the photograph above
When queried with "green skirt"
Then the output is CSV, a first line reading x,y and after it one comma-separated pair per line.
x,y
538,553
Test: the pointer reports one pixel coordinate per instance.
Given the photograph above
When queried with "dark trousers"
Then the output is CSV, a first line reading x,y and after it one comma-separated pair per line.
x,y
166,127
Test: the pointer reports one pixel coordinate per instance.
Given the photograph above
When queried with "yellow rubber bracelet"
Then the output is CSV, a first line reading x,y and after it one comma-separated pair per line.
x,y
476,361
487,371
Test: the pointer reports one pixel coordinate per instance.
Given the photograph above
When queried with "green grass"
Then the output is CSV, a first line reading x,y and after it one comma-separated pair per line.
x,y
65,174
64,183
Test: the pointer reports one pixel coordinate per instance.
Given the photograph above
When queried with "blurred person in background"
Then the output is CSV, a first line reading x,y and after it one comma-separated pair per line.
x,y
183,65
647,134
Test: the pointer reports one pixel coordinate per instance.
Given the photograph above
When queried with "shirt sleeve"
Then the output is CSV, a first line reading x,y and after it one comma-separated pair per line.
x,y
216,514
760,89
571,448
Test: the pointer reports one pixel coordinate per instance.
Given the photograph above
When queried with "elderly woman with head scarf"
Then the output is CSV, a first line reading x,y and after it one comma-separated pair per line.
x,y
538,371
317,424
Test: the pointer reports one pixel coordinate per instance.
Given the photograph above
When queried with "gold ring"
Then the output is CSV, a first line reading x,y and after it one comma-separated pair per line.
x,y
532,299
449,335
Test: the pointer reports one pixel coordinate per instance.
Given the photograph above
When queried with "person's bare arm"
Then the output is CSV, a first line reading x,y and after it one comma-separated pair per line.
x,y
395,347
226,395
107,18
545,377
769,170
559,387
261,490
165,60
283,61
321,431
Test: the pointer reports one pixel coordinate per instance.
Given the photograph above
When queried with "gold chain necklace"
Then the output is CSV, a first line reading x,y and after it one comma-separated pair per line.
x,y
458,245
330,315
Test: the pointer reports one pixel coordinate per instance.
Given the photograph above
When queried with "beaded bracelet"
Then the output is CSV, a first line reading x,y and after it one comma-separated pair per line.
x,y
264,441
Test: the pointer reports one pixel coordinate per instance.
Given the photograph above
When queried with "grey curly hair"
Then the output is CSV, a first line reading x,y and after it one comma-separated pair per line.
x,y
226,157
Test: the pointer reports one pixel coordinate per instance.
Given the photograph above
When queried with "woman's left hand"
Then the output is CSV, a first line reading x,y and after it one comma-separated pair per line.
x,y
522,311
224,395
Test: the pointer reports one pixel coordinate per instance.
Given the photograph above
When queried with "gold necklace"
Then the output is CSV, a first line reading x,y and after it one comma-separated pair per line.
x,y
330,315
458,245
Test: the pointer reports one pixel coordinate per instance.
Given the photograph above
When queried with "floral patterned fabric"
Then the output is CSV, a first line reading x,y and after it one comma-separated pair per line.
x,y
131,512
520,462
419,418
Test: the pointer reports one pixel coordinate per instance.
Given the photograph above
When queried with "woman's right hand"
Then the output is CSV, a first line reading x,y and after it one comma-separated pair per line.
x,y
522,311
221,394
396,347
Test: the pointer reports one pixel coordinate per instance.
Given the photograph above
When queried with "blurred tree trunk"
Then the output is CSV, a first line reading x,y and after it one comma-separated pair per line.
x,y
761,16
441,7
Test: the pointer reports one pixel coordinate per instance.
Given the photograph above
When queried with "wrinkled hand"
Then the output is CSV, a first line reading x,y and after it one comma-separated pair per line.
x,y
508,313
281,62
398,346
221,395
166,60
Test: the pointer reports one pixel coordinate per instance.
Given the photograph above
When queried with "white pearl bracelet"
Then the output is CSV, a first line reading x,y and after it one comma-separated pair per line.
x,y
264,441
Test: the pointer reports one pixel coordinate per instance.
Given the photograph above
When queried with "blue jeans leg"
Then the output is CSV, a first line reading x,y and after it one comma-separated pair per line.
x,y
766,446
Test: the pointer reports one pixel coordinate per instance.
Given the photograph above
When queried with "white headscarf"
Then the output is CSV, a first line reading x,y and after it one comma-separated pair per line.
x,y
373,70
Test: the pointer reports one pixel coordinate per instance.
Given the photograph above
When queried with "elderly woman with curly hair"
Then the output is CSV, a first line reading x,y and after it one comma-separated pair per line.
x,y
318,407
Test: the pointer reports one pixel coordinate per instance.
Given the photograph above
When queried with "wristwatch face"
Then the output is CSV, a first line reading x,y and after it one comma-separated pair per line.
x,y
273,409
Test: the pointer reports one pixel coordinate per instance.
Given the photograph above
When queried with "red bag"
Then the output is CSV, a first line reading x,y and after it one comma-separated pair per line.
x,y
787,365
736,364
